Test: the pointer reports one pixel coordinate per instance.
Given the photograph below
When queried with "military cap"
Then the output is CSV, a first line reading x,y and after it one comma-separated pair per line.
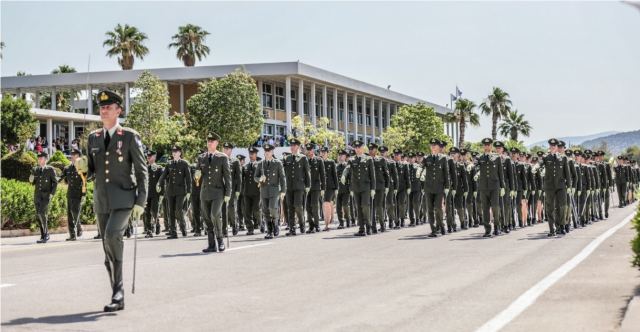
x,y
213,137
176,148
562,144
373,146
600,153
588,151
228,145
343,152
397,151
253,149
76,151
577,153
568,152
268,147
411,155
284,154
43,154
258,158
514,150
553,142
357,143
383,148
540,153
106,97
294,141
534,159
463,152
498,144
419,154
240,156
474,154
454,150
528,155
324,149
352,152
487,141
310,146
621,157
151,153
633,161
434,141
443,143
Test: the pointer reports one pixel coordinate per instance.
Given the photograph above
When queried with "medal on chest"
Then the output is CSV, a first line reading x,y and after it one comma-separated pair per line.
x,y
119,151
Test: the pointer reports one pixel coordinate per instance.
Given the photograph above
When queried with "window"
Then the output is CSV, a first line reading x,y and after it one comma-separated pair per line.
x,y
368,120
375,122
350,116
359,118
294,102
318,104
330,108
279,98
267,130
306,103
267,95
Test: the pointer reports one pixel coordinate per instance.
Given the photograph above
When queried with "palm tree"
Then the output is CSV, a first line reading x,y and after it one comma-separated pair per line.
x,y
462,114
63,69
190,44
126,43
1,48
515,124
63,98
497,105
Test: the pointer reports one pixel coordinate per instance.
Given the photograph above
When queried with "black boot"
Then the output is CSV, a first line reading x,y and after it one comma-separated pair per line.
x,y
157,228
211,243
117,297
221,244
276,229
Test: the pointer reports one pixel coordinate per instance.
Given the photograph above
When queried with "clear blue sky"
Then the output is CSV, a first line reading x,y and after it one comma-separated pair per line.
x,y
572,68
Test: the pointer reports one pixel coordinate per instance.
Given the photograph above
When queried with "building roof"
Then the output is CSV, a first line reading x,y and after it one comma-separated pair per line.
x,y
106,79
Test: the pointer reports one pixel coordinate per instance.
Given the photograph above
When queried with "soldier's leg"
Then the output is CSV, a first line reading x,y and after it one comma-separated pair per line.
x,y
439,213
231,213
147,218
224,217
171,214
290,211
460,205
550,206
298,206
113,246
266,212
449,206
70,220
417,202
240,212
166,214
379,207
562,207
430,212
340,207
391,209
607,199
195,210
365,201
248,214
76,206
315,199
216,218
180,214
411,215
494,202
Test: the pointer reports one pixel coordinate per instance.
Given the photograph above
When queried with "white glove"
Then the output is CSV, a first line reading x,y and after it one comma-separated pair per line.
x,y
263,178
446,192
237,194
321,193
475,177
227,198
373,193
187,196
336,193
31,178
579,192
408,191
501,192
513,193
158,188
453,192
525,193
465,196
198,174
282,196
386,191
395,191
351,193
539,192
306,190
475,194
343,180
422,178
137,211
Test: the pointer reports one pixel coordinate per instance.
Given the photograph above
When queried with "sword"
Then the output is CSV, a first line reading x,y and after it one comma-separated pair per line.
x,y
135,253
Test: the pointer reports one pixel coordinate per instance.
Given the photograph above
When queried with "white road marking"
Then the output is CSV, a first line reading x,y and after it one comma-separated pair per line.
x,y
6,285
529,297
250,246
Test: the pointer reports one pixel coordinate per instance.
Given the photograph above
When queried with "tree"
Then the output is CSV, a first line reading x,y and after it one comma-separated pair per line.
x,y
64,99
126,42
149,114
412,126
513,125
178,132
633,152
497,104
515,144
1,49
18,123
229,106
462,114
319,134
189,42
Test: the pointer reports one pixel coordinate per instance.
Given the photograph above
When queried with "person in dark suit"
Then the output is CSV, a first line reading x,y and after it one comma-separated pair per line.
x,y
76,192
153,199
44,179
177,178
273,185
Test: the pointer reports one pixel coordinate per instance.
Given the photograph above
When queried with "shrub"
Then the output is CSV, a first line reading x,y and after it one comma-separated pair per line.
x,y
86,214
59,157
635,243
18,165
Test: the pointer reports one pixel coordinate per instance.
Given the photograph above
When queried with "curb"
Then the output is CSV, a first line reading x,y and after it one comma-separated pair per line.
x,y
631,319
27,232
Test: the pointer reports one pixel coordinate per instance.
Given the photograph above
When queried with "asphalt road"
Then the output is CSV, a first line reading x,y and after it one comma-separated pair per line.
x,y
329,281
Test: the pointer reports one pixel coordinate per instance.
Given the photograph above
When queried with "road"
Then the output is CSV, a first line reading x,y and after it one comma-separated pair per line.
x,y
329,281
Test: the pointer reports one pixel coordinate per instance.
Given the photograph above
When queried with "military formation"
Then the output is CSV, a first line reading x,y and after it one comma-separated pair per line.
x,y
367,186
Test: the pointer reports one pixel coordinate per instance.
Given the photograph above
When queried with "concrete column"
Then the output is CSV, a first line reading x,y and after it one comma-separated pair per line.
x,y
312,103
355,116
287,102
127,98
364,119
182,98
54,106
325,106
301,99
49,136
37,101
260,94
89,100
388,115
72,131
380,120
335,109
345,111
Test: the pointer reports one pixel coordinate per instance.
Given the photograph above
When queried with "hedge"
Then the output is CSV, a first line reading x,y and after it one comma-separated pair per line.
x,y
635,243
18,210
18,165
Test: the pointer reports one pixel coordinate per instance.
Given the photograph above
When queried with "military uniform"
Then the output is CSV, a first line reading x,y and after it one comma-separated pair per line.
x,y
382,188
318,185
272,181
343,201
506,206
177,175
296,168
450,197
491,186
196,216
361,175
557,179
117,162
75,197
215,188
331,185
391,206
437,183
251,195
461,191
521,187
152,208
415,195
404,188
622,179
45,183
229,216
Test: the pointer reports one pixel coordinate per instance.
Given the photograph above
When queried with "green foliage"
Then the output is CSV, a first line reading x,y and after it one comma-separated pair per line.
x,y
517,144
149,114
179,133
513,125
17,122
18,165
463,114
473,146
497,105
18,209
633,152
635,243
534,149
318,134
412,126
58,156
126,42
189,42
229,106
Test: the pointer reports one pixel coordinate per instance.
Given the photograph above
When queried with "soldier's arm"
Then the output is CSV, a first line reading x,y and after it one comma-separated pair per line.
x,y
372,174
567,173
385,174
257,173
283,179
465,180
238,176
90,162
163,176
452,174
323,176
187,177
306,171
510,178
54,182
500,173
525,179
140,170
334,174
226,176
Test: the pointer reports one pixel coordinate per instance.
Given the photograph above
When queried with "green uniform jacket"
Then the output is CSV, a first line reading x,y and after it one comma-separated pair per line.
x,y
115,186
74,181
216,176
436,173
177,177
275,182
404,182
342,188
155,172
382,173
250,187
44,180
296,168
392,165
236,175
557,174
361,174
318,178
489,172
331,174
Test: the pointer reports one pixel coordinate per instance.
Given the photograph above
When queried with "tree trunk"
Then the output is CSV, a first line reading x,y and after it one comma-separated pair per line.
x,y
126,62
514,134
461,137
494,127
188,60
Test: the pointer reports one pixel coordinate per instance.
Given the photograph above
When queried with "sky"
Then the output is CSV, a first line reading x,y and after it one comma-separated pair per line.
x,y
573,68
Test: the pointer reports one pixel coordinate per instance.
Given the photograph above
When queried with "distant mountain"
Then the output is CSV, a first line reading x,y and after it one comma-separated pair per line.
x,y
616,143
576,140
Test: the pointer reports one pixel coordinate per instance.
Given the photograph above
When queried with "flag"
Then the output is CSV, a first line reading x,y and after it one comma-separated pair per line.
x,y
458,92
453,98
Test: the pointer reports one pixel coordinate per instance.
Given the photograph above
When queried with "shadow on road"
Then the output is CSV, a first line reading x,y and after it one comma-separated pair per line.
x,y
536,236
477,236
344,236
416,237
190,254
91,316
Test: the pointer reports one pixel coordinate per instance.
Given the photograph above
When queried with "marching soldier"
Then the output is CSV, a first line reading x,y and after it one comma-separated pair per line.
x,y
391,206
557,180
415,195
116,161
214,175
196,218
177,176
296,168
45,182
506,211
622,177
462,189
251,193
434,174
151,219
469,202
403,187
382,188
521,186
272,182
331,187
449,198
491,186
75,195
343,201
318,185
240,200
229,209
361,174
605,175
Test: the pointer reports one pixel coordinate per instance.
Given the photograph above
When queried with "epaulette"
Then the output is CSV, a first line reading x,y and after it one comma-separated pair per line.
x,y
133,131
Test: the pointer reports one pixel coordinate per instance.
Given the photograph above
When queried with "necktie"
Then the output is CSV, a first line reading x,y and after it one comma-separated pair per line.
x,y
107,139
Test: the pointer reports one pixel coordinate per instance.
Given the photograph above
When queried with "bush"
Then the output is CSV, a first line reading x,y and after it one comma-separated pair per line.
x,y
18,165
59,157
635,243
18,209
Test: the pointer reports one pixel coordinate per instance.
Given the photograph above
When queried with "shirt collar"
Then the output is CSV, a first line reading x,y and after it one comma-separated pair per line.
x,y
112,131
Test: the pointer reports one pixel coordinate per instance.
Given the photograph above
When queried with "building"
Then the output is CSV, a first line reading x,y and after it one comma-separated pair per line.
x,y
355,108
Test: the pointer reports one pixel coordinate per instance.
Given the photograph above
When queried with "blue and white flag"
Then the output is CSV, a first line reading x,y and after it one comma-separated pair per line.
x,y
458,92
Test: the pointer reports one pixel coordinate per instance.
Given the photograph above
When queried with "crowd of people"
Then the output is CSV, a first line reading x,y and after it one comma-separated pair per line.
x,y
40,144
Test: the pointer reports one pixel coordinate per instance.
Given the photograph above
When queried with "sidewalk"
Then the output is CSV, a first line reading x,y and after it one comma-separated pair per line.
x,y
26,232
631,319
